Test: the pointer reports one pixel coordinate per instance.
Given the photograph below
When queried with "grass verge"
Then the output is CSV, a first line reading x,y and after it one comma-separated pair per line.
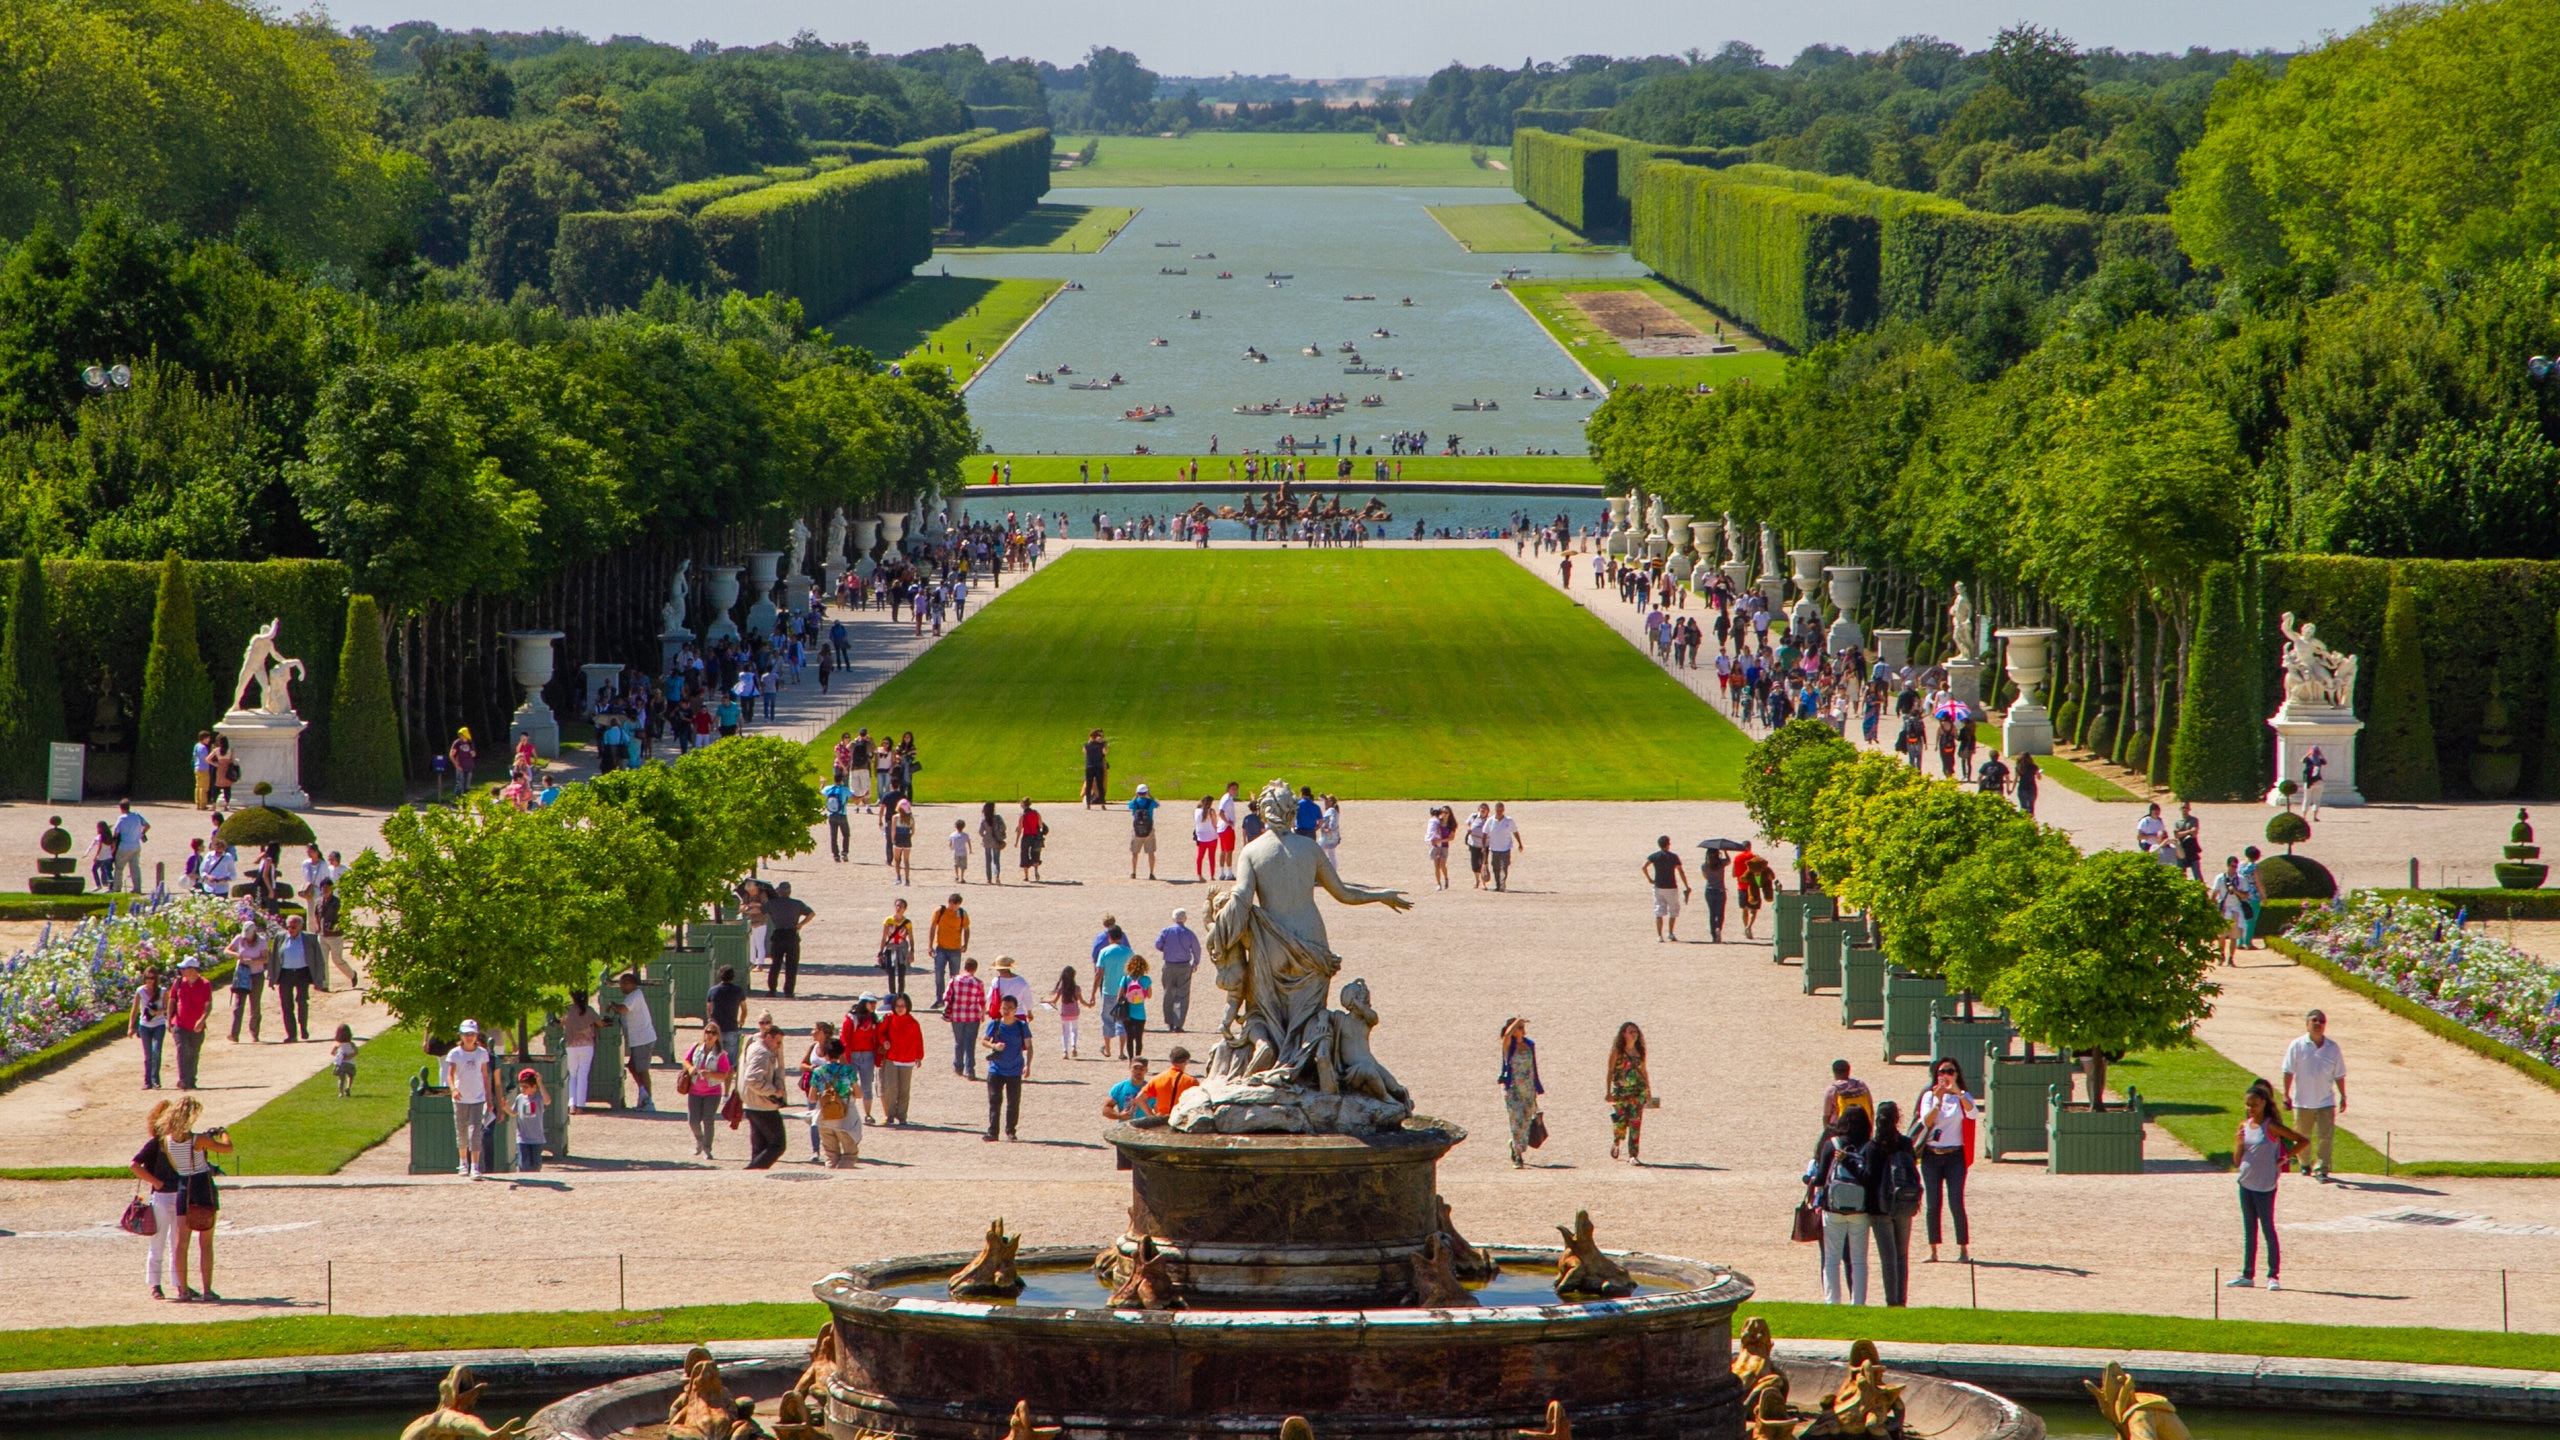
x,y
952,320
1216,158
2080,782
2408,1009
308,1130
1511,229
1549,303
1334,668
1452,469
2195,1095
20,906
2101,1331
71,1348
65,1172
1053,230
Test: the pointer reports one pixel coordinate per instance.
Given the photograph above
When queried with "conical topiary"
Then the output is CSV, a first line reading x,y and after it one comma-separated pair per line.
x,y
177,695
2496,767
2222,734
364,729
30,694
2397,752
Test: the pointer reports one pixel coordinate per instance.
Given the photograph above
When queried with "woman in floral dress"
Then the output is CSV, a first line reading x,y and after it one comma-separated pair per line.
x,y
1630,1093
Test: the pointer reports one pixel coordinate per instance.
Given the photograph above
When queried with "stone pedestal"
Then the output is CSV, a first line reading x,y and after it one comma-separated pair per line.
x,y
2298,727
2028,728
795,593
531,662
764,567
724,598
269,748
671,648
1893,647
1964,682
599,677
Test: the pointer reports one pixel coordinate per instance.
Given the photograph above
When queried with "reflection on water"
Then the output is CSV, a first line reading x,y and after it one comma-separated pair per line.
x,y
1077,1288
2081,1422
1460,340
1437,511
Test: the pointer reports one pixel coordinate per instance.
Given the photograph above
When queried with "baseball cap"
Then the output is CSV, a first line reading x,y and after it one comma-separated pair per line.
x,y
1142,787
189,964
528,1074
470,1027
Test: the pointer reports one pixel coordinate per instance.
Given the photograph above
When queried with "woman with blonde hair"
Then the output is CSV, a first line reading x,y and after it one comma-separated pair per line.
x,y
199,1203
1630,1092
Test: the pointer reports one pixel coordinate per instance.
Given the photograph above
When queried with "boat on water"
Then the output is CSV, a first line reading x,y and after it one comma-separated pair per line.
x,y
1090,385
1172,270
1276,275
1516,272
1168,244
1359,297
1206,255
1364,370
1395,374
1312,350
1276,285
1064,370
1037,378
1271,407
1475,405
1196,315
1372,402
1496,285
1148,414
1380,334
1346,348
1159,340
1226,274
1256,356
1406,302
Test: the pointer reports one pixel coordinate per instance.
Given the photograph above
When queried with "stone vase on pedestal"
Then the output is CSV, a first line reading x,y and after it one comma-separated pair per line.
x,y
268,748
530,662
2298,727
866,541
1617,541
893,530
2028,728
1737,576
1684,559
1806,616
724,597
1848,587
1893,647
764,567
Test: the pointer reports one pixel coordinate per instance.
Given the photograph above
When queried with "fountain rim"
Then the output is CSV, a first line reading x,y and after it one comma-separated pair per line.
x,y
855,1291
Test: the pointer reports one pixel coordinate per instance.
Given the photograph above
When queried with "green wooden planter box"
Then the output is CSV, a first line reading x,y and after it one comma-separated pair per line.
x,y
1862,970
1822,953
431,1148
1786,934
677,983
2016,1113
692,967
1971,1043
1908,1001
1818,906
2081,1141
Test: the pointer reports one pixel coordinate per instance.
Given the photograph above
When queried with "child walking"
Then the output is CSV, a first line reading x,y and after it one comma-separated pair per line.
x,y
527,1105
342,1062
959,851
1069,1002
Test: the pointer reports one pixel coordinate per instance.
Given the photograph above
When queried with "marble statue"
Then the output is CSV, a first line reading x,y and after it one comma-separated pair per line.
x,y
837,527
1285,1060
455,1416
268,669
1732,537
1436,1285
1960,623
2135,1414
799,548
1559,1425
1585,1273
992,1272
1469,1262
1751,1352
671,617
2314,674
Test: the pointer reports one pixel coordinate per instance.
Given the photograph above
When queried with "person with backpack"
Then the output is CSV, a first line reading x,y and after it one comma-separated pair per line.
x,y
1839,1186
1896,1199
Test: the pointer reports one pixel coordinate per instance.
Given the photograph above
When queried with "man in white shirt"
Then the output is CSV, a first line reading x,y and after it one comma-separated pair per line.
x,y
1501,838
2150,830
2315,1088
131,831
639,1033
466,1076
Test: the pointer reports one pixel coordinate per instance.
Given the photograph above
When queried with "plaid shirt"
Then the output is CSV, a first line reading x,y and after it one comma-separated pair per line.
x,y
964,1000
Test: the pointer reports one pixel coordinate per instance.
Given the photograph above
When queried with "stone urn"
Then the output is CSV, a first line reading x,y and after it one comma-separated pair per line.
x,y
2523,868
724,598
1684,556
1737,576
1804,619
866,540
1848,587
893,531
764,568
1617,543
530,663
2028,728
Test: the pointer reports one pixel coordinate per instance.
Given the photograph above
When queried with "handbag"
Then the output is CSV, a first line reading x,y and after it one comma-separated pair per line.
x,y
138,1219
1537,1130
1808,1223
733,1110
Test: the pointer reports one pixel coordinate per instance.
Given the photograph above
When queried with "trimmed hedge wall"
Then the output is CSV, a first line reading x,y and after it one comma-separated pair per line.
x,y
994,181
936,155
1634,155
1573,181
607,261
1798,267
1934,253
827,242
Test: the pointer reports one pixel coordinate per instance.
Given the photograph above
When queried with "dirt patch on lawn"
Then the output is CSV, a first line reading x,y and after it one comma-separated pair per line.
x,y
1643,325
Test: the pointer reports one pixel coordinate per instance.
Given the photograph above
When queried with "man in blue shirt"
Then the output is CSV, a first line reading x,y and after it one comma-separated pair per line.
x,y
1179,951
1310,814
1142,831
1123,1103
839,798
1007,1041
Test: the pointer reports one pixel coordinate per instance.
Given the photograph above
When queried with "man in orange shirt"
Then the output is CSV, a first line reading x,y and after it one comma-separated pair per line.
x,y
950,936
1159,1095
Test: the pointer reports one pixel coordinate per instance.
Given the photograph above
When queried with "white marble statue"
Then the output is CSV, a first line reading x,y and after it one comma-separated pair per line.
x,y
799,548
267,668
671,618
1732,538
836,527
1285,1061
1960,624
2314,674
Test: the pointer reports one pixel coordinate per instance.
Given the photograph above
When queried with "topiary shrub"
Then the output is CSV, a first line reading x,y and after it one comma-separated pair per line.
x,y
364,730
177,696
30,694
2222,733
2295,877
2287,829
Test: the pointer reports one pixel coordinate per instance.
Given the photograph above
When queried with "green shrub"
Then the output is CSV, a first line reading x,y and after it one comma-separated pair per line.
x,y
2287,829
1797,267
2222,729
2149,238
364,747
2398,746
177,695
994,181
30,695
2295,877
607,261
1574,181
826,242
2066,719
935,152
1634,155
1933,254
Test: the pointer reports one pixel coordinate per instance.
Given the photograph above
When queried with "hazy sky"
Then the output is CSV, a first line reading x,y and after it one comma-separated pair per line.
x,y
1389,37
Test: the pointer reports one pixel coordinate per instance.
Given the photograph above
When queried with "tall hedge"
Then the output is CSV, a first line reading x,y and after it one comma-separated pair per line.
x,y
1634,155
854,152
2397,758
994,181
935,152
30,693
827,242
2222,732
1797,266
607,261
364,744
1573,181
1933,254
177,695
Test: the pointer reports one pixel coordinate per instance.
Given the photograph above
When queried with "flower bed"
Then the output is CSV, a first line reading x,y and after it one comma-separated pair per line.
x,y
86,973
2414,950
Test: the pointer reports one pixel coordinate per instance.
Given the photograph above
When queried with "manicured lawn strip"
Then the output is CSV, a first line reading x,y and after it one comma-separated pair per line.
x,y
308,1130
1371,674
66,1172
2071,777
21,906
1511,230
1456,469
1053,230
2407,1009
951,320
2195,1095
1211,158
73,1348
2480,1169
2084,1330
1592,346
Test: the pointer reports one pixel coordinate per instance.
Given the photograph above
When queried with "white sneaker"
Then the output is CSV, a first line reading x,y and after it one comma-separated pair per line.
x,y
2239,1282
462,1170
2272,1283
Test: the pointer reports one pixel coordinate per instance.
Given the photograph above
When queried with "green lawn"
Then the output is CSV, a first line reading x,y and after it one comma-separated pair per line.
x,y
1371,674
308,1130
2081,782
1479,469
2195,1095
1547,303
2100,1331
1053,230
1512,230
1211,158
950,319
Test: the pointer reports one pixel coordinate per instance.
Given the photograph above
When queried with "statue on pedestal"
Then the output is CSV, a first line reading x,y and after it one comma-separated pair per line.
x,y
456,1414
671,618
2315,675
1960,624
267,668
1285,1061
799,548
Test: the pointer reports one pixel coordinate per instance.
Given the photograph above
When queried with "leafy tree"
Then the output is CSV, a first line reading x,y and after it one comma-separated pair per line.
x,y
177,694
1915,836
722,809
364,729
1785,771
1965,910
1119,89
30,696
2111,959
2398,747
1851,807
